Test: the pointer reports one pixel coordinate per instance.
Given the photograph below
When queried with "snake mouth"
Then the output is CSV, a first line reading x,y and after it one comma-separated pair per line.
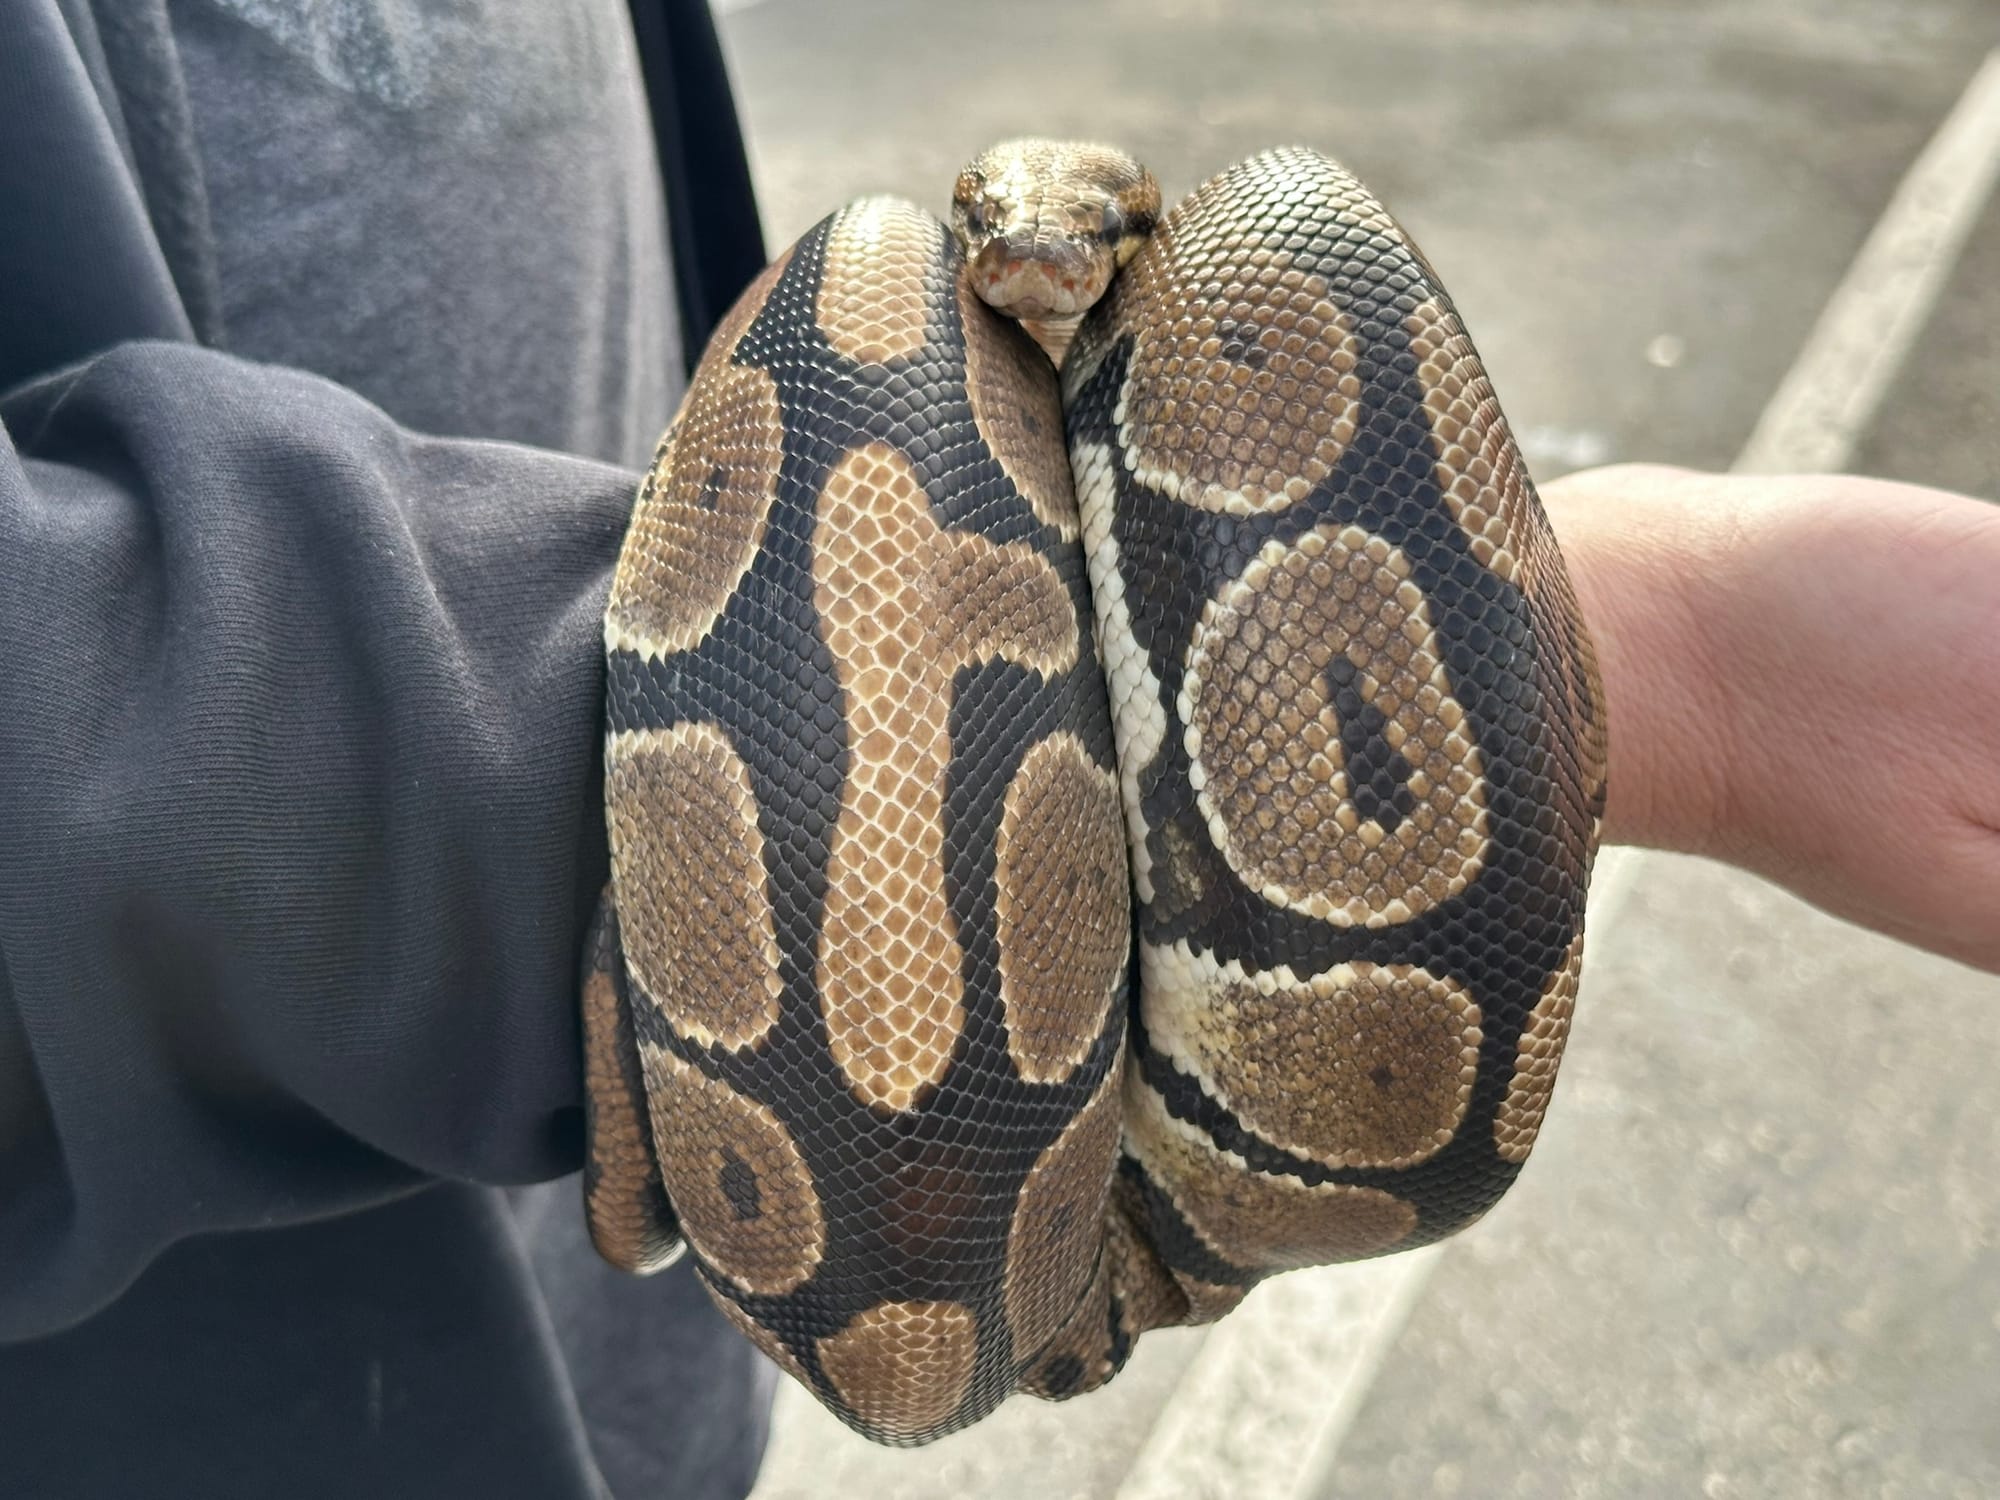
x,y
1043,277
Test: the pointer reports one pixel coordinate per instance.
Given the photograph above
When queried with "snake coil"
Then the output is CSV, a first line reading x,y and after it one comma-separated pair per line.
x,y
972,1007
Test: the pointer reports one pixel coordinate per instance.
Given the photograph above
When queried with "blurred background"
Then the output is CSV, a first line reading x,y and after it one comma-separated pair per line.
x,y
1758,1250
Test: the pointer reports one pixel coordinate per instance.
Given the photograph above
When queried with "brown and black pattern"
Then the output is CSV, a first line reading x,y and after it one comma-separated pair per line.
x,y
867,848
631,1219
870,1047
1360,733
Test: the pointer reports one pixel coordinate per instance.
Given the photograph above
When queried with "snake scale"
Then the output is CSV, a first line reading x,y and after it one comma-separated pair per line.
x,y
1082,846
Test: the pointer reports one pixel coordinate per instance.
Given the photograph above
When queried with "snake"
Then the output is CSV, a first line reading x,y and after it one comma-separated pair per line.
x,y
1103,765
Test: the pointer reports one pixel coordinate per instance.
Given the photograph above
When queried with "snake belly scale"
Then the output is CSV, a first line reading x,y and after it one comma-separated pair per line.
x,y
970,1007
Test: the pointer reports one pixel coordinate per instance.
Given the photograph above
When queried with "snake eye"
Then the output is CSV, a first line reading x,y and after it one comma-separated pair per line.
x,y
1114,224
976,215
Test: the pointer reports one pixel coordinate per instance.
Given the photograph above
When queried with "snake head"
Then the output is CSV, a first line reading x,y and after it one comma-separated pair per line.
x,y
1045,224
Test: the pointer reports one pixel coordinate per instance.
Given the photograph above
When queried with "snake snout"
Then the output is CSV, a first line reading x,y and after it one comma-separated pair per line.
x,y
1039,274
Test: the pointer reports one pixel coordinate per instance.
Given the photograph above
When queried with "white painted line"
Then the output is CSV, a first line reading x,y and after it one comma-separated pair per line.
x,y
1263,1410
1874,317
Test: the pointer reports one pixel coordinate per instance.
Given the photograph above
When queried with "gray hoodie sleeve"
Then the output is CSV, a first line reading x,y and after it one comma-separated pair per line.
x,y
299,809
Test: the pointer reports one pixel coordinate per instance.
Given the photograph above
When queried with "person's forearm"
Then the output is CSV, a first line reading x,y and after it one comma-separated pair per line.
x,y
1802,677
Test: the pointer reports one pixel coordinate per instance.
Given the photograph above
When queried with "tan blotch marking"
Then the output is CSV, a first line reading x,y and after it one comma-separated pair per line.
x,y
1063,898
1478,466
744,1195
1270,773
873,301
702,509
1058,1219
1016,408
905,605
1251,1219
1078,1356
1365,1065
700,936
622,1191
1536,1058
1243,390
902,1367
615,1197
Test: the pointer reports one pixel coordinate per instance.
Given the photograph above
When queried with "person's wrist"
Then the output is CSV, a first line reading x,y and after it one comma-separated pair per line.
x,y
1652,576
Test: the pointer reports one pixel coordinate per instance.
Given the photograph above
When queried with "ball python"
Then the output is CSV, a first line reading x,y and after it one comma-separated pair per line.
x,y
1081,843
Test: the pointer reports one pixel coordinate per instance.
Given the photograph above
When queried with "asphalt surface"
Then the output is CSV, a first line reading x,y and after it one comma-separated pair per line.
x,y
1758,1250
1942,423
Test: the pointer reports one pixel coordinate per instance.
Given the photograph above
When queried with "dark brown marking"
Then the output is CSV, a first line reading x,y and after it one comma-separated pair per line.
x,y
1243,390
709,1137
1540,1050
1365,1065
701,512
631,1223
700,933
1058,1222
1063,893
1300,798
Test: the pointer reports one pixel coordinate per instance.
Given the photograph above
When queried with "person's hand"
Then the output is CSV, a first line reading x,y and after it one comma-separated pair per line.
x,y
1803,678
